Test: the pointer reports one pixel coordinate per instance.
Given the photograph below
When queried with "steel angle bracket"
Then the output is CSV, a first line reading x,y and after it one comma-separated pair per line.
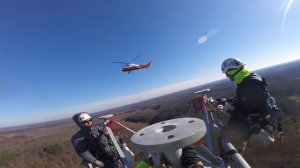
x,y
118,148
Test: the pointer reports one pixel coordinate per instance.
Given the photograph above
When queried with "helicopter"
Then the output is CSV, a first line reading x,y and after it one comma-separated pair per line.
x,y
128,67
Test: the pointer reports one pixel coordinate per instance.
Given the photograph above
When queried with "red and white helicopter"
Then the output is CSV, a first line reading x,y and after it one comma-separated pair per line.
x,y
128,67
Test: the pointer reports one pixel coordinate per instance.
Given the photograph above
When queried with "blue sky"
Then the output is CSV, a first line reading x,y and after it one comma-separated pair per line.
x,y
55,56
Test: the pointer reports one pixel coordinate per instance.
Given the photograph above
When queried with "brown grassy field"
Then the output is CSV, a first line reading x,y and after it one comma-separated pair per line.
x,y
50,147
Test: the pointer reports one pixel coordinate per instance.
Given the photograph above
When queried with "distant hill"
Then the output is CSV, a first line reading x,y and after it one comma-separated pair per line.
x,y
35,125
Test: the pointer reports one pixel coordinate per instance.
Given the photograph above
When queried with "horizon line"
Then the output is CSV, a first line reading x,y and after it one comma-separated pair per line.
x,y
102,105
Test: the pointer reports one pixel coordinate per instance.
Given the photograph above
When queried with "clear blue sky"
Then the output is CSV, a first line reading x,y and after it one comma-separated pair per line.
x,y
55,55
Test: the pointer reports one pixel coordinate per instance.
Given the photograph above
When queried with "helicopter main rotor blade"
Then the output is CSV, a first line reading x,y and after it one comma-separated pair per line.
x,y
135,58
120,62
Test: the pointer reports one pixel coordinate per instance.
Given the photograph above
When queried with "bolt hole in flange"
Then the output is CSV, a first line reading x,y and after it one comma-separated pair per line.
x,y
165,128
171,136
191,121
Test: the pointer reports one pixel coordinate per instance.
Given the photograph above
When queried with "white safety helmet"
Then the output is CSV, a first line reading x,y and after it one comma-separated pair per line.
x,y
84,117
231,63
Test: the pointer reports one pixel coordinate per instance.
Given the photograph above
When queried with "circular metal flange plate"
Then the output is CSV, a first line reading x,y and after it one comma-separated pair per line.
x,y
169,135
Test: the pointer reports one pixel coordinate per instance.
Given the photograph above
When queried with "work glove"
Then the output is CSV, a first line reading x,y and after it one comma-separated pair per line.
x,y
98,163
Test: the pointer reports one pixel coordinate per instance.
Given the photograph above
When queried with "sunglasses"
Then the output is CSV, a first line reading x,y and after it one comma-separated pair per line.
x,y
84,122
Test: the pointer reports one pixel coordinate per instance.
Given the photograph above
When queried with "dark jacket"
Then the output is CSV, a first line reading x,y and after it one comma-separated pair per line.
x,y
251,97
80,146
91,145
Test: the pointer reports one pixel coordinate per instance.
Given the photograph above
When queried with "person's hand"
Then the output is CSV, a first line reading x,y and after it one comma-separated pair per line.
x,y
98,163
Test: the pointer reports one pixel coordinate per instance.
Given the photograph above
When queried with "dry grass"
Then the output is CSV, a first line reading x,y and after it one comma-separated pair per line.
x,y
28,147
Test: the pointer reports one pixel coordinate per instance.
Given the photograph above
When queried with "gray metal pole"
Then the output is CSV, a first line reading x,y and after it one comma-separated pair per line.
x,y
174,157
238,159
118,148
206,154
